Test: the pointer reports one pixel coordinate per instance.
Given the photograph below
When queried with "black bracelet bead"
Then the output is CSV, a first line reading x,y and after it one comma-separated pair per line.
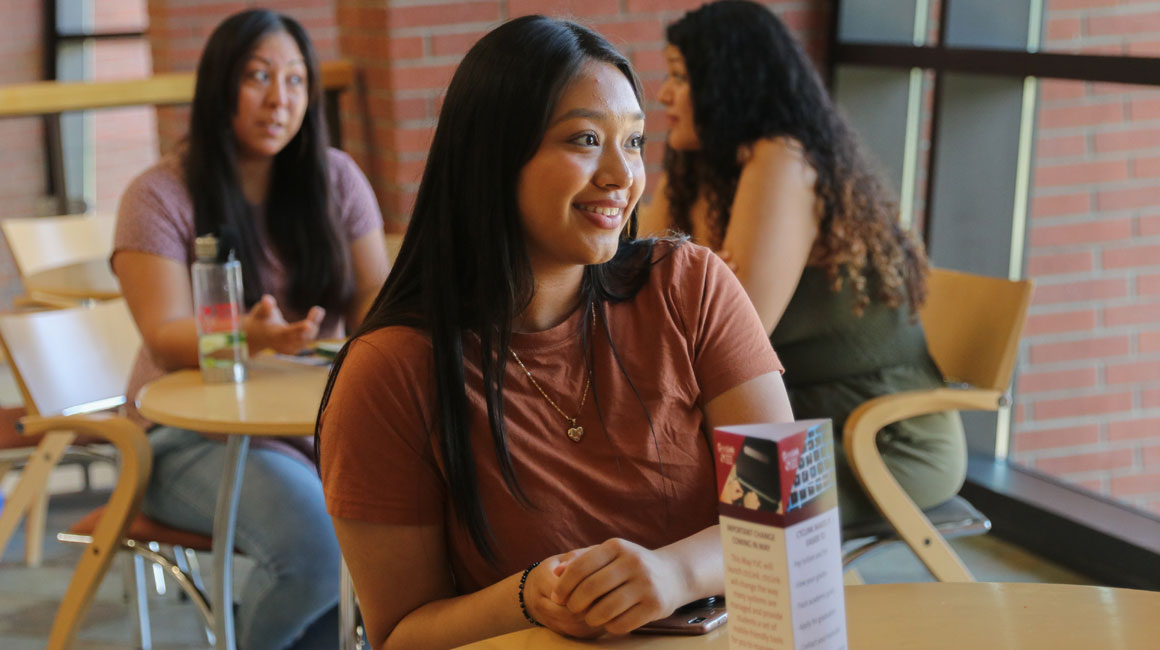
x,y
523,606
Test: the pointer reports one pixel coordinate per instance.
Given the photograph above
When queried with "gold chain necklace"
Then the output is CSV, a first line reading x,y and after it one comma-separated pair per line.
x,y
575,432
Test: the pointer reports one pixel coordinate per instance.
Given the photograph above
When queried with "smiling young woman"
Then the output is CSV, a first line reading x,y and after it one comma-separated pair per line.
x,y
518,433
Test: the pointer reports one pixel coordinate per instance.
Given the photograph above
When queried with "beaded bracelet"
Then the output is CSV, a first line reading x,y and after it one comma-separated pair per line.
x,y
523,605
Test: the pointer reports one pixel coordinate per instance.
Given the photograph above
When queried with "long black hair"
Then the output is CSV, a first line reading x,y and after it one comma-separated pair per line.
x,y
463,266
750,79
299,221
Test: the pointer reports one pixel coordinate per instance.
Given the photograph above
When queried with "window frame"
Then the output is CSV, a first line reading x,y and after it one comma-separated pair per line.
x,y
1109,541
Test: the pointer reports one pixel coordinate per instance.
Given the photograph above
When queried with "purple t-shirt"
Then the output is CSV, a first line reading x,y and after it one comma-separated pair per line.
x,y
156,216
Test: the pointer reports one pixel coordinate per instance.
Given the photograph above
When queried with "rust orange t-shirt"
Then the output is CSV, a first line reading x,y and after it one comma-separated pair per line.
x,y
689,335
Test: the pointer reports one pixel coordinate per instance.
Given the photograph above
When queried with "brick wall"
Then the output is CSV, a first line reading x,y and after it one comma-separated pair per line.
x,y
407,50
22,175
124,139
120,15
1089,374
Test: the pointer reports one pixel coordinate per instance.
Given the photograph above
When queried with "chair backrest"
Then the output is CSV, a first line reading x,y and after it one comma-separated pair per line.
x,y
39,243
73,360
973,324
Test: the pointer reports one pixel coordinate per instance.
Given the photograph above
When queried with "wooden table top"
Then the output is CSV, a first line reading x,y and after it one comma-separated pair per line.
x,y
91,279
279,398
948,616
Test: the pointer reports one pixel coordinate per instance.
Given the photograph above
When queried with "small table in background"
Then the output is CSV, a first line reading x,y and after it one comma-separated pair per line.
x,y
943,615
89,280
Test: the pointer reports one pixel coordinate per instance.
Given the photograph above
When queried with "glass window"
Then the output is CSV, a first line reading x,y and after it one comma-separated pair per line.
x,y
1051,179
903,22
101,151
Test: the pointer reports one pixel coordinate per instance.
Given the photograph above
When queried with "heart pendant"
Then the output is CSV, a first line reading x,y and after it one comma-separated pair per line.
x,y
575,433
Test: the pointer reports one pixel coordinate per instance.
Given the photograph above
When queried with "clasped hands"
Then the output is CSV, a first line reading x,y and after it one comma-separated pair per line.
x,y
266,327
613,587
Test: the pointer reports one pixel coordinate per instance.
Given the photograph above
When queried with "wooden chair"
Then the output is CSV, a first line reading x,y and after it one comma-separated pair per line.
x,y
71,362
43,243
68,361
136,461
973,325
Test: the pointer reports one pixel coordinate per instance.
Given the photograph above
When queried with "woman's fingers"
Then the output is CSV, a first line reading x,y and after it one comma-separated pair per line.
x,y
263,308
566,558
316,315
601,583
582,566
539,584
629,620
560,619
288,338
619,581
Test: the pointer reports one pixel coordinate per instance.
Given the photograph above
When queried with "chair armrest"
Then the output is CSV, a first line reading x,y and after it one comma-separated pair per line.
x,y
860,443
136,464
128,438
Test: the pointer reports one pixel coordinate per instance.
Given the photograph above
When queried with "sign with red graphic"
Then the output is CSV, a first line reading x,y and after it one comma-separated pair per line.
x,y
781,537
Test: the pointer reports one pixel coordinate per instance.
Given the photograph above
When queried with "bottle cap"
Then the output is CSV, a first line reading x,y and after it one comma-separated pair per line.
x,y
205,248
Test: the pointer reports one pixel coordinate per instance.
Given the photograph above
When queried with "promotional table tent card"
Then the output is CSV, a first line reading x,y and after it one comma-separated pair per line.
x,y
781,537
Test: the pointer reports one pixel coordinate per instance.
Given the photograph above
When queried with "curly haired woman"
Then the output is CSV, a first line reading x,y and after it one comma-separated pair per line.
x,y
761,167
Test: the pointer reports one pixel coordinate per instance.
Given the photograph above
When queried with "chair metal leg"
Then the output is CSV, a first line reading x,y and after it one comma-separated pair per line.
x,y
143,636
350,633
186,561
128,580
184,581
194,568
178,555
87,474
188,579
158,571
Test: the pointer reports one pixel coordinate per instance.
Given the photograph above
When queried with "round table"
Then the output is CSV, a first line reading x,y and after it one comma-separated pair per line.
x,y
944,615
92,279
279,398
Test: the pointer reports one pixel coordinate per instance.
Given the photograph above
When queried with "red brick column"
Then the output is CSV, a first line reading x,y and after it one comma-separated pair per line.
x,y
22,153
406,51
22,176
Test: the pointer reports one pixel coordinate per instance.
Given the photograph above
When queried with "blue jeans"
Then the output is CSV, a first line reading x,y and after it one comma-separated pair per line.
x,y
282,526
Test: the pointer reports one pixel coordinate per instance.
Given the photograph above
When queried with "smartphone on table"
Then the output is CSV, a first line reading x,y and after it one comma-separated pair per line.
x,y
698,617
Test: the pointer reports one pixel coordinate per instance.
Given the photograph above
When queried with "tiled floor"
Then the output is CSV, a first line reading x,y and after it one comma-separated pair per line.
x,y
29,597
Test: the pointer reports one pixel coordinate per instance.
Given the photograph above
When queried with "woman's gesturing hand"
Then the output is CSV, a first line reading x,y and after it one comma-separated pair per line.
x,y
619,586
266,327
542,580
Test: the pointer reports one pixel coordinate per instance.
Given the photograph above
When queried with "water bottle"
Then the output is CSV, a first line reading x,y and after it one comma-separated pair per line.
x,y
218,305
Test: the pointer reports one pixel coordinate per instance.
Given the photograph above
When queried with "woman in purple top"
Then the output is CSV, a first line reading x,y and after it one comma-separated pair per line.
x,y
309,237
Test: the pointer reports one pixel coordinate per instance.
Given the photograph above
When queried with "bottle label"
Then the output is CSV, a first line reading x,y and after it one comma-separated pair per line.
x,y
221,342
222,317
